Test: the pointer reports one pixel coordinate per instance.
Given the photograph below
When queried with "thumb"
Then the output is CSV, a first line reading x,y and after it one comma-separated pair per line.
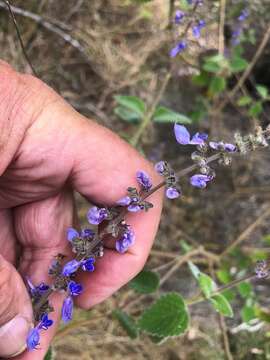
x,y
15,311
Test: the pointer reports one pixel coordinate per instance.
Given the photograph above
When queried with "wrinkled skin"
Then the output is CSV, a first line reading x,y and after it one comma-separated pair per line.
x,y
48,150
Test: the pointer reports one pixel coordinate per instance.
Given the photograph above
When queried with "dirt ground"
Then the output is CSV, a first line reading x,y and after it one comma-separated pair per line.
x,y
119,52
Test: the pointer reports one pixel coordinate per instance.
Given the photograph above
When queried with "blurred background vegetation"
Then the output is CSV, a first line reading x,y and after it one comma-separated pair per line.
x,y
92,52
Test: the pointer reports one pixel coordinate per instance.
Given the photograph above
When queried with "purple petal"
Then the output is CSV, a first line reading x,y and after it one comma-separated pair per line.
x,y
144,180
127,240
87,233
200,181
74,288
134,208
124,201
172,193
199,139
178,48
96,215
182,135
33,339
72,234
230,147
160,167
179,15
71,267
88,265
67,309
196,31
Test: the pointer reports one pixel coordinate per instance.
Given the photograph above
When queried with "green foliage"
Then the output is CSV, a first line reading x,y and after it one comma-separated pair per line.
x,y
238,64
214,64
129,108
244,100
126,114
127,323
145,282
224,275
49,355
207,285
255,109
248,313
245,289
165,115
222,305
217,85
263,91
167,317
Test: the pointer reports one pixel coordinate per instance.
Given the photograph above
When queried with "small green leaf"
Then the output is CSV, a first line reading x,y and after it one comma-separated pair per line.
x,y
217,85
262,90
206,284
132,103
255,109
224,276
194,270
245,289
145,282
168,316
261,314
222,305
127,115
49,355
248,313
165,115
185,246
238,64
214,64
202,79
244,100
211,67
127,323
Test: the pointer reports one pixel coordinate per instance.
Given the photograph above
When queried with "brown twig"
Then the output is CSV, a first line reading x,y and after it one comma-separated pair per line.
x,y
221,27
11,12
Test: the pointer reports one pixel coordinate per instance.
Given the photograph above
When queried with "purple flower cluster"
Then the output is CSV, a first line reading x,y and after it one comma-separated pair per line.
x,y
239,26
96,215
179,19
126,240
172,190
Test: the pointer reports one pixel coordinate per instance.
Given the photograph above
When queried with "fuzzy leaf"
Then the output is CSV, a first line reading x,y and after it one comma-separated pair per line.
x,y
244,100
217,85
145,282
126,114
206,284
127,323
222,305
255,109
238,64
168,316
132,103
164,115
248,313
262,90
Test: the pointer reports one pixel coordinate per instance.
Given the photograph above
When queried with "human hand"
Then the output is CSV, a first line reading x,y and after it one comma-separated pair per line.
x,y
47,150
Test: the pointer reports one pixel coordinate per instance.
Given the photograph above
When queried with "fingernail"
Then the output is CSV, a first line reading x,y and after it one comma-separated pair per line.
x,y
13,336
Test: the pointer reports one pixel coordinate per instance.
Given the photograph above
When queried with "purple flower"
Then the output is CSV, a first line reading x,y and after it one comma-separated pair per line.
x,y
33,339
221,146
96,215
181,46
243,15
71,267
127,240
144,180
200,181
160,167
179,15
196,31
88,264
74,288
87,233
183,136
124,201
72,234
172,193
67,309
134,208
37,290
45,322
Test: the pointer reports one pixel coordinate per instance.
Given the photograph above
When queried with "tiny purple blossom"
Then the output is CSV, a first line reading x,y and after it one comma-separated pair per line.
x,y
45,322
172,193
221,146
196,31
127,240
88,264
134,208
74,288
200,181
96,215
160,167
179,15
71,267
72,234
87,233
243,15
67,309
33,339
180,47
183,136
144,180
124,201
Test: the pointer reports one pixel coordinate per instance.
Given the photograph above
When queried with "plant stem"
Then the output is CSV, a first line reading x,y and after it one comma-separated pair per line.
x,y
201,297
